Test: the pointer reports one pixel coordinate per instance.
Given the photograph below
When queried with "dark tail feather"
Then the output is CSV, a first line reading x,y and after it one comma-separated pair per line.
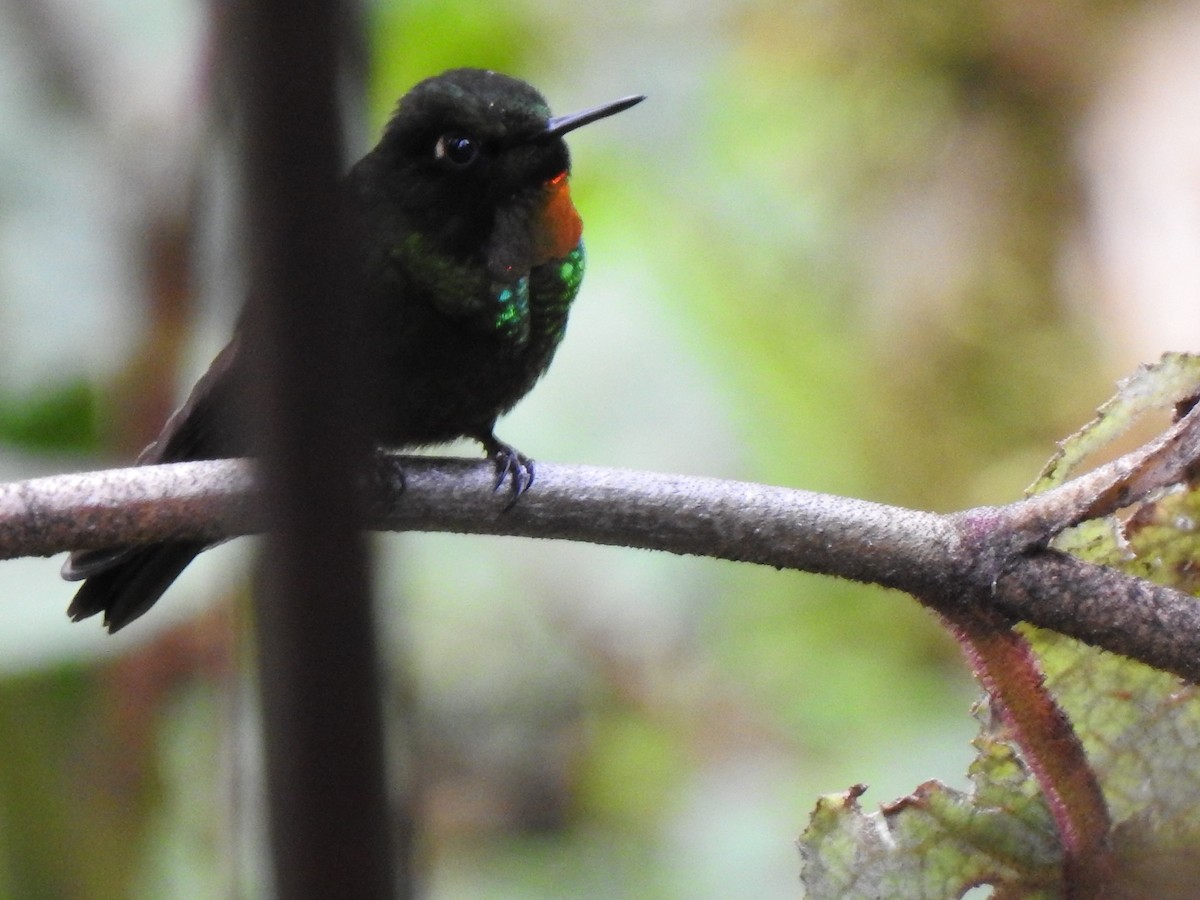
x,y
126,582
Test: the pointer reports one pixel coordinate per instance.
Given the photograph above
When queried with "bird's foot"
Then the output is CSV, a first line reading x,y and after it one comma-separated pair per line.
x,y
512,466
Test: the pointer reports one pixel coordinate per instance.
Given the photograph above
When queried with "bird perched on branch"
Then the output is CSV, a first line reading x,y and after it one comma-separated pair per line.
x,y
472,259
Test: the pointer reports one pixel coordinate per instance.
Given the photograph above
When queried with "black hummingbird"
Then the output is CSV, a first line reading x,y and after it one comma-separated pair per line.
x,y
472,259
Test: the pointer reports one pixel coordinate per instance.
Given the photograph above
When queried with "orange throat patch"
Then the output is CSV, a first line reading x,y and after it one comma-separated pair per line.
x,y
560,227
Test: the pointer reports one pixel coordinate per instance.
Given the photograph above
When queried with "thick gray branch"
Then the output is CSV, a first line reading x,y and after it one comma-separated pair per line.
x,y
946,561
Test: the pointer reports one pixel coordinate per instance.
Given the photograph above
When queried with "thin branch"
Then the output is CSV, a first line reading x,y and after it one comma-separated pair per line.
x,y
1165,460
944,560
208,501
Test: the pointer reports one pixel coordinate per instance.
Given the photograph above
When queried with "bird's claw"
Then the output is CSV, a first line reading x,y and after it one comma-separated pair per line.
x,y
512,466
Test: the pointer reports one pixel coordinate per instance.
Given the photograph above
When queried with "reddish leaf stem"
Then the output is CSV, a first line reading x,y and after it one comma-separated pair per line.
x,y
1009,671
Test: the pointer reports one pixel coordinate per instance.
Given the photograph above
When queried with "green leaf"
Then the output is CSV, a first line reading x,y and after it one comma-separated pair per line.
x,y
60,418
1161,385
937,842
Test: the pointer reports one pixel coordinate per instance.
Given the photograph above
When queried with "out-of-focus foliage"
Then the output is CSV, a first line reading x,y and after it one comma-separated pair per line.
x,y
78,833
833,249
63,419
1140,729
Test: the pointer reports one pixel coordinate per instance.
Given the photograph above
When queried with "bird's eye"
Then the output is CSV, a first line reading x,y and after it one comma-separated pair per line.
x,y
456,149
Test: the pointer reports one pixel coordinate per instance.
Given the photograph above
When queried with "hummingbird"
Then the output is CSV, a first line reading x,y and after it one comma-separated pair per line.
x,y
472,256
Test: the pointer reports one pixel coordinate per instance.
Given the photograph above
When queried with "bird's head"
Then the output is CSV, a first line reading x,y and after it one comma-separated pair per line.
x,y
472,157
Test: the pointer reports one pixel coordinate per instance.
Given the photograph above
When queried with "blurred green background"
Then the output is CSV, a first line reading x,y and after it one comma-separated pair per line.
x,y
888,250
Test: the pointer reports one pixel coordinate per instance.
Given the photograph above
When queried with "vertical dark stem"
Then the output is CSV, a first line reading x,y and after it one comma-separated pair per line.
x,y
318,667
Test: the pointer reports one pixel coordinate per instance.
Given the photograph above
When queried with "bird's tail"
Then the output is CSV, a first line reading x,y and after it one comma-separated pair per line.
x,y
124,582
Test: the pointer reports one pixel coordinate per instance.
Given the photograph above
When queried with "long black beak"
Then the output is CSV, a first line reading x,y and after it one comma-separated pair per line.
x,y
560,125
